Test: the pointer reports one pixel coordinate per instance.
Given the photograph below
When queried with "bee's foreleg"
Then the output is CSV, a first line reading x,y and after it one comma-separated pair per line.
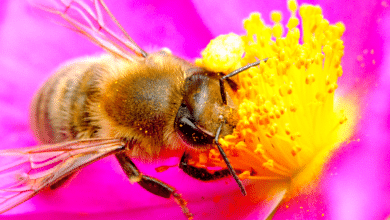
x,y
151,184
201,173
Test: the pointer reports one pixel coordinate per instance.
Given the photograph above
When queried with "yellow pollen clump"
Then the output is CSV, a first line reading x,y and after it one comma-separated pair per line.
x,y
228,49
287,120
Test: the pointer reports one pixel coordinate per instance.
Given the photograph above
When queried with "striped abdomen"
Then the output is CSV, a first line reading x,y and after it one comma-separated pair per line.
x,y
60,110
109,97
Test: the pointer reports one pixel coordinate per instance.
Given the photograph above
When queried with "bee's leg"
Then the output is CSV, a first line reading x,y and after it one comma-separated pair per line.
x,y
151,184
201,173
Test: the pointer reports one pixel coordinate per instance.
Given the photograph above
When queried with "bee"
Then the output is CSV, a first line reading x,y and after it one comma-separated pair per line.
x,y
127,103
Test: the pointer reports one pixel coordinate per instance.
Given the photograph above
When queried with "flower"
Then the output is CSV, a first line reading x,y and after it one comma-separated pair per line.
x,y
354,182
287,124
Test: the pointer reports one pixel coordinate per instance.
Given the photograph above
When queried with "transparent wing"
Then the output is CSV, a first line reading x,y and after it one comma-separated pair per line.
x,y
93,19
24,172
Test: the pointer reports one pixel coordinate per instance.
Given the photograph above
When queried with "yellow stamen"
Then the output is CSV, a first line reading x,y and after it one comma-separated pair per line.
x,y
287,120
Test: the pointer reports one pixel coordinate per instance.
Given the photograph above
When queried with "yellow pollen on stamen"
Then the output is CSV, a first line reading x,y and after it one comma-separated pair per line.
x,y
288,125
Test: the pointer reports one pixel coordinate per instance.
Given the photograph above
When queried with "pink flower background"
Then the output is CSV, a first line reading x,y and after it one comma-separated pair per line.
x,y
356,181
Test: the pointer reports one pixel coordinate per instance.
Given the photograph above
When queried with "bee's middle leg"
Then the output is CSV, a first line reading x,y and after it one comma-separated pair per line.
x,y
202,173
151,184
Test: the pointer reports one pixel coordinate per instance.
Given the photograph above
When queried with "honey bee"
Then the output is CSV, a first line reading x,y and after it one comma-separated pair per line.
x,y
127,103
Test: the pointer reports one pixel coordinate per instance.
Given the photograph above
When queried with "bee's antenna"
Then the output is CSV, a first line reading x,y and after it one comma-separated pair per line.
x,y
235,72
231,170
223,95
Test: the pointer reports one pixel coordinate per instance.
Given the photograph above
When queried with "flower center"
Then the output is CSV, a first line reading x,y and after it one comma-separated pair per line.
x,y
287,120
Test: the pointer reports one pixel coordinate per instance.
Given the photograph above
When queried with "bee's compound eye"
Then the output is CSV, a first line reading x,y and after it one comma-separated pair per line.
x,y
187,129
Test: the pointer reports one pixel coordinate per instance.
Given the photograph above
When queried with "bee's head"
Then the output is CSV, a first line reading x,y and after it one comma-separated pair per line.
x,y
207,111
202,110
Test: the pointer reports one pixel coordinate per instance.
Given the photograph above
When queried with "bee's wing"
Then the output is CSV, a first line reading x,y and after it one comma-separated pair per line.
x,y
24,172
93,19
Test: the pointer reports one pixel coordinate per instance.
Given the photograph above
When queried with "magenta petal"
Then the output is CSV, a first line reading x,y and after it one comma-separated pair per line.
x,y
225,17
358,186
360,190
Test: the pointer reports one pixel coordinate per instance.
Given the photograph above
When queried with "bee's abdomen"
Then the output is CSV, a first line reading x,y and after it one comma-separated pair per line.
x,y
60,110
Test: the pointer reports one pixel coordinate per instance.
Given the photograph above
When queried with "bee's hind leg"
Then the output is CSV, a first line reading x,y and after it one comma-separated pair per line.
x,y
151,184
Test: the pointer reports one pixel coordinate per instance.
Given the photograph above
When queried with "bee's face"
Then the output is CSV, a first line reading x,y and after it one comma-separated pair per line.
x,y
202,111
